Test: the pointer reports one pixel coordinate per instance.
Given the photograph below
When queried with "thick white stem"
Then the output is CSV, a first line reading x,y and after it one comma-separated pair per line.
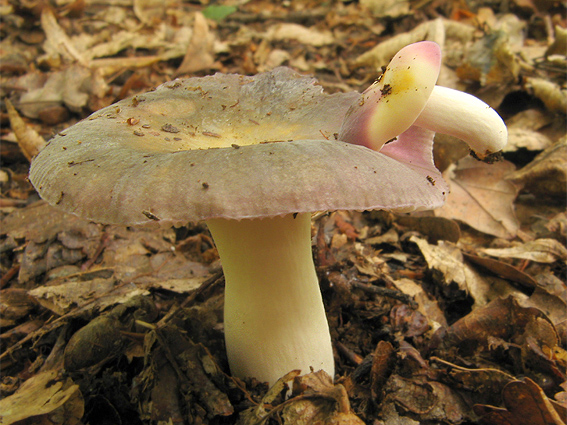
x,y
466,117
274,318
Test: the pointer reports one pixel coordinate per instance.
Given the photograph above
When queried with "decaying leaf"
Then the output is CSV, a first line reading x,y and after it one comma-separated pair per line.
x,y
447,259
192,380
102,339
504,270
199,54
380,54
481,197
309,36
427,305
150,11
491,59
382,366
546,175
74,87
526,404
540,250
429,401
500,320
57,42
387,8
551,94
435,228
314,400
45,394
29,141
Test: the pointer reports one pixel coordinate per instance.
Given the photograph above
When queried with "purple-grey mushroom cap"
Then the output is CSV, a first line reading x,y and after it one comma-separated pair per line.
x,y
230,146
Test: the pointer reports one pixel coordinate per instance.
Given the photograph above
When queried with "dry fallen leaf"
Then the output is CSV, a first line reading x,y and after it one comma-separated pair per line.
x,y
546,175
44,394
381,54
551,94
199,54
526,404
29,140
304,35
58,43
481,197
447,259
540,250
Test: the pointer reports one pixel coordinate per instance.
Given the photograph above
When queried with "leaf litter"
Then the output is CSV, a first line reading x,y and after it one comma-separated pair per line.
x,y
448,319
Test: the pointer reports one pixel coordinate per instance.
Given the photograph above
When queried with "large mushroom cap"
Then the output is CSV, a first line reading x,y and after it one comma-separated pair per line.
x,y
229,146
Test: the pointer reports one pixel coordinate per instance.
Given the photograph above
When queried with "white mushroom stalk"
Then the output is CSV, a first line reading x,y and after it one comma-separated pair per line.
x,y
406,95
274,318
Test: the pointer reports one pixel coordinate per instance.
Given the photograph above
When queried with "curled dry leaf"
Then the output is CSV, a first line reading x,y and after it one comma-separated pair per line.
x,y
492,59
526,403
57,42
73,87
15,304
504,270
448,260
526,139
304,35
481,197
382,366
551,94
199,54
427,305
387,8
315,400
380,54
29,140
540,251
546,175
44,395
500,320
429,401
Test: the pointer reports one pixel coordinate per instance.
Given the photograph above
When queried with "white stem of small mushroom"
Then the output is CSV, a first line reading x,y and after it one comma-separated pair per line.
x,y
466,117
274,318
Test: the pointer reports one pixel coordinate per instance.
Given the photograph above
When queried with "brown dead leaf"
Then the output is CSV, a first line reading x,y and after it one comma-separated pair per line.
x,y
199,53
29,140
46,398
315,400
58,43
526,404
540,251
551,94
504,270
488,381
435,228
304,35
428,401
381,54
150,12
382,366
500,320
169,345
546,175
448,260
481,197
15,304
387,8
491,59
74,87
427,305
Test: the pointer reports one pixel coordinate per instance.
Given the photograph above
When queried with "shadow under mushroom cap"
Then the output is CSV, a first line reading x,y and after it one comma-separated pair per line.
x,y
227,146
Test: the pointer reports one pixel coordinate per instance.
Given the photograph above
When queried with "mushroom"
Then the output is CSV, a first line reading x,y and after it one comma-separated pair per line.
x,y
253,157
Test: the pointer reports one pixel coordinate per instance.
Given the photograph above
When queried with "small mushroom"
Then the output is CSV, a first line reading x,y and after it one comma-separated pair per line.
x,y
253,157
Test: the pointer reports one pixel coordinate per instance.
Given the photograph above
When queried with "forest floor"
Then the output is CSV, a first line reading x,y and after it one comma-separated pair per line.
x,y
455,316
